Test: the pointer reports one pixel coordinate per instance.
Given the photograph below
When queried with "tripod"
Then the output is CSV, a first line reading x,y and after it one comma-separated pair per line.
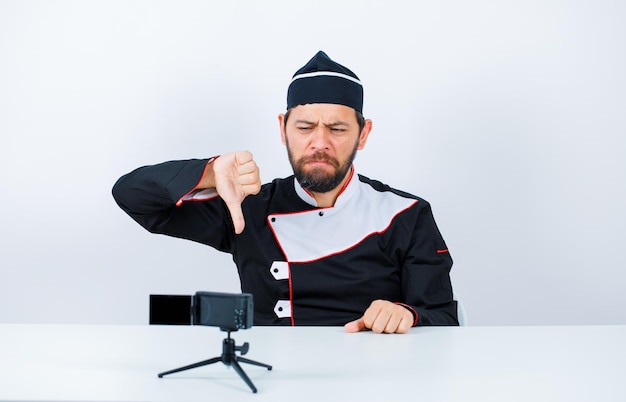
x,y
229,358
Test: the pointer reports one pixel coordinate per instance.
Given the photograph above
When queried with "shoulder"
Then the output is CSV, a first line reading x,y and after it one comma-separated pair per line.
x,y
279,185
380,187
277,194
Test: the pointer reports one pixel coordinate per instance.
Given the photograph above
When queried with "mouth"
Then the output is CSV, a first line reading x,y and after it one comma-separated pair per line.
x,y
320,161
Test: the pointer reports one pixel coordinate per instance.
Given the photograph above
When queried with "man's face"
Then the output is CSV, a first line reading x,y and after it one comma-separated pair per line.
x,y
322,140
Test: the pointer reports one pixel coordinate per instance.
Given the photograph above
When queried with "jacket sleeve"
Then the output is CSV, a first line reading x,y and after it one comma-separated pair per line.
x,y
160,198
426,285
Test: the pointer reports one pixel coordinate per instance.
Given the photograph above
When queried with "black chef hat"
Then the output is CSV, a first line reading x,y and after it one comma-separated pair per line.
x,y
323,80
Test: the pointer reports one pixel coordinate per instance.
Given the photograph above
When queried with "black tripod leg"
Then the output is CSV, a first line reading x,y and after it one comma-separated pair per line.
x,y
243,375
244,360
191,366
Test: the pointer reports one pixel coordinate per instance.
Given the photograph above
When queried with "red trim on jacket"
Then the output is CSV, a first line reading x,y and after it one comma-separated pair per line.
x,y
181,199
340,191
411,309
293,324
340,251
347,181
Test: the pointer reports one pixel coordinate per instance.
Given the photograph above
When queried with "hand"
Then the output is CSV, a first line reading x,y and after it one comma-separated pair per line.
x,y
383,316
235,176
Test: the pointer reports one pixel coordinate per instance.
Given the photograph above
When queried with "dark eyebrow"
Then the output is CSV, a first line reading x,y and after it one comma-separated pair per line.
x,y
337,123
331,125
308,123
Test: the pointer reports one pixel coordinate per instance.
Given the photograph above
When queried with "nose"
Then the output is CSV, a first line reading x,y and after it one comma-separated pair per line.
x,y
320,138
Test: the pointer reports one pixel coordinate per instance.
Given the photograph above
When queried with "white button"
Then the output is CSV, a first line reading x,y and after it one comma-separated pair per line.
x,y
280,270
282,309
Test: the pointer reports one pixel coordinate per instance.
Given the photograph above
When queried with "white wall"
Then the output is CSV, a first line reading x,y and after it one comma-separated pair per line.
x,y
507,116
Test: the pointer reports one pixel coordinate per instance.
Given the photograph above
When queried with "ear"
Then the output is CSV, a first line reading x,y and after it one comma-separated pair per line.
x,y
364,134
281,122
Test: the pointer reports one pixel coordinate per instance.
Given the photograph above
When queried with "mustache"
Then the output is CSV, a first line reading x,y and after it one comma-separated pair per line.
x,y
320,157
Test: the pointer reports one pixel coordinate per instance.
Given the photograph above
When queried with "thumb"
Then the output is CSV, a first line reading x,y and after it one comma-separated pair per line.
x,y
237,216
355,326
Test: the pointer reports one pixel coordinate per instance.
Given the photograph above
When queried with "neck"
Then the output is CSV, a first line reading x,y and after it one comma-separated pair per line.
x,y
328,199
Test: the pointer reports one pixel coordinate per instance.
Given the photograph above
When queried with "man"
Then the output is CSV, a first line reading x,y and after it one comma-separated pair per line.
x,y
322,247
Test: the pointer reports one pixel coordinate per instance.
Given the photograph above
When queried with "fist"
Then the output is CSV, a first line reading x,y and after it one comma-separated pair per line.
x,y
236,176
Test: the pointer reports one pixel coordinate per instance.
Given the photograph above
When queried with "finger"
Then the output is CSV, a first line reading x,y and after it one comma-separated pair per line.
x,y
400,320
236,215
251,189
249,179
377,315
405,325
247,166
380,323
243,157
393,324
355,326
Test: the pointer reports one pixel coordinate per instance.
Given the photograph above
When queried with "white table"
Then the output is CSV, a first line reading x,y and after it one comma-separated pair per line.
x,y
121,363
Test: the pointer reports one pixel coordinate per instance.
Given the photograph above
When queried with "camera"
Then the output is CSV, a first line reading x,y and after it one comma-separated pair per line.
x,y
228,311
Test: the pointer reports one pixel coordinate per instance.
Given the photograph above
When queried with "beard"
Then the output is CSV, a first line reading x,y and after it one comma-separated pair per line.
x,y
318,180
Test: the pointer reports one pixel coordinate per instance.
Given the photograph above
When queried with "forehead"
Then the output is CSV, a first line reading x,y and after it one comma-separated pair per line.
x,y
325,112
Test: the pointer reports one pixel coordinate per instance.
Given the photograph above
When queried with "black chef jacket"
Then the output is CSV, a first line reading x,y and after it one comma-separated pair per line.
x,y
303,264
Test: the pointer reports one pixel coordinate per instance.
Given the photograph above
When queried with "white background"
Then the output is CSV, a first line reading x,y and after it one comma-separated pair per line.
x,y
507,116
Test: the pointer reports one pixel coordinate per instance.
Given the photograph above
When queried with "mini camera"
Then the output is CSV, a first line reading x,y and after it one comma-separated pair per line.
x,y
228,311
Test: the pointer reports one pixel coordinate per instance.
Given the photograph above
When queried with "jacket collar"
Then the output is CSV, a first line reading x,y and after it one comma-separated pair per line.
x,y
349,189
